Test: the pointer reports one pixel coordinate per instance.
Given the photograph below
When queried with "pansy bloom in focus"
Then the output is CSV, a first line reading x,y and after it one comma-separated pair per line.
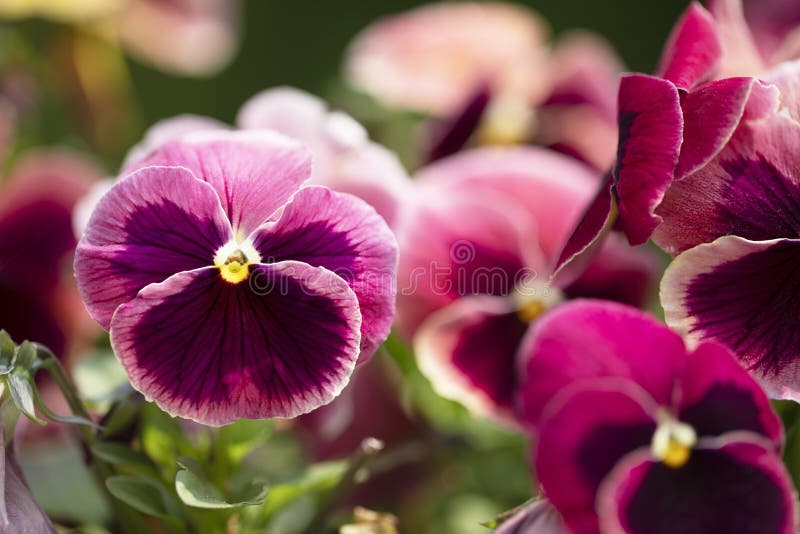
x,y
477,251
637,434
229,290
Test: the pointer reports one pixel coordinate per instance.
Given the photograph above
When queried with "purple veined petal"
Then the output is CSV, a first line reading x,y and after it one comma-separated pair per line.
x,y
618,272
751,190
537,518
280,345
734,484
586,432
342,234
585,339
741,56
451,135
650,137
152,224
693,49
743,294
711,113
468,351
254,172
718,396
286,110
168,130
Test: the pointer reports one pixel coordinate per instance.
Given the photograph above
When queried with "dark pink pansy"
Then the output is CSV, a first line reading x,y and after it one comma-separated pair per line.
x,y
229,291
636,433
478,248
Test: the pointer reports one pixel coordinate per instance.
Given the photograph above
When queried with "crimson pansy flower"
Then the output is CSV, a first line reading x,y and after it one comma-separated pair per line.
x,y
229,291
636,433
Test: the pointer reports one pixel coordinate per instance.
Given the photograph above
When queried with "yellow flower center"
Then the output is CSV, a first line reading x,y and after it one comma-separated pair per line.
x,y
533,298
508,121
234,259
673,442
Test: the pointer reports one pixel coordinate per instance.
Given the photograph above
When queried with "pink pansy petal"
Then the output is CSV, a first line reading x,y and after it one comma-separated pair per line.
x,y
196,37
581,440
467,351
727,486
345,235
718,396
711,113
751,190
432,58
773,23
150,225
168,130
741,56
742,294
539,518
554,189
279,345
650,137
786,77
287,110
693,49
585,339
254,172
449,135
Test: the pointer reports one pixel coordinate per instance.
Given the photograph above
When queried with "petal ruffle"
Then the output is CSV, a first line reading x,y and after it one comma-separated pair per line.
x,y
737,487
743,294
585,339
168,130
342,234
718,396
582,439
650,137
693,49
254,172
150,225
468,351
278,346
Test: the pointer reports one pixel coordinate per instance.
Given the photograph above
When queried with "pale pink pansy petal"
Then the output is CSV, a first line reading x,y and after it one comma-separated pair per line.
x,y
650,138
254,172
741,294
539,517
150,225
468,349
740,53
280,345
287,110
346,236
432,58
693,49
786,77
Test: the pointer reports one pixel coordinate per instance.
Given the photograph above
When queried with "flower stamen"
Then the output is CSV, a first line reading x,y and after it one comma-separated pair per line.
x,y
673,442
234,259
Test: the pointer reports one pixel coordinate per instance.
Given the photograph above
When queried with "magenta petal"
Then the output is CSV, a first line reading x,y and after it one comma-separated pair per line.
x,y
468,351
718,396
345,235
743,294
739,487
710,113
278,346
585,339
448,136
693,49
254,172
583,438
650,137
152,224
537,518
19,512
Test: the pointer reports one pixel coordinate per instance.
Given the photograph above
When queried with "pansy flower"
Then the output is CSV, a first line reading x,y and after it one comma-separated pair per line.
x,y
636,433
487,75
477,250
229,290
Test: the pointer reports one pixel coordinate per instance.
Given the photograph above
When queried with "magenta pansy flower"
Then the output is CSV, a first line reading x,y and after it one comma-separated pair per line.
x,y
636,433
229,290
477,251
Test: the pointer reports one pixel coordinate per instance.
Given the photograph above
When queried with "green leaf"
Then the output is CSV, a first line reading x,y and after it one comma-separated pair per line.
x,y
161,436
20,381
68,419
7,348
245,435
195,490
119,454
100,378
144,495
317,478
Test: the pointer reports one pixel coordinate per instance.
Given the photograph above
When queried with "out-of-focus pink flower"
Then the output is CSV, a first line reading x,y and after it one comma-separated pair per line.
x,y
477,255
40,300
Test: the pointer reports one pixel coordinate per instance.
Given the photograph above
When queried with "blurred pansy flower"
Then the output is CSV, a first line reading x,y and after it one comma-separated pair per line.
x,y
229,291
40,300
477,250
488,73
635,433
194,37
344,158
